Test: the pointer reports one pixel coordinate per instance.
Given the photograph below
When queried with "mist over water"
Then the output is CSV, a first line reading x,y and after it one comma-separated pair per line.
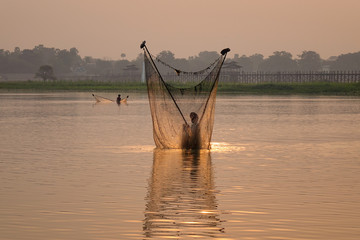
x,y
279,168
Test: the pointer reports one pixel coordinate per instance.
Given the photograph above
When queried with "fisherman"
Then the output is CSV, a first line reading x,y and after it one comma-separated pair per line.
x,y
118,99
191,135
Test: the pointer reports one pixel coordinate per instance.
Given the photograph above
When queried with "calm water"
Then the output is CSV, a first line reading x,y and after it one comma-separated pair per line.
x,y
280,168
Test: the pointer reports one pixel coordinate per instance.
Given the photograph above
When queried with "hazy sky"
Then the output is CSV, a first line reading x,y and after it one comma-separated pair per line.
x,y
107,28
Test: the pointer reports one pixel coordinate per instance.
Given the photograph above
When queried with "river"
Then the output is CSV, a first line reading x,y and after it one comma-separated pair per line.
x,y
280,167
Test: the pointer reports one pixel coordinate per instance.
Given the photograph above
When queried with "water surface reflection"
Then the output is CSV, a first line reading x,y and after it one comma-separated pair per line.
x,y
181,199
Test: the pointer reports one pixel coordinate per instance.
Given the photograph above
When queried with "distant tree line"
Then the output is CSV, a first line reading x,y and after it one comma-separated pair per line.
x,y
69,62
282,61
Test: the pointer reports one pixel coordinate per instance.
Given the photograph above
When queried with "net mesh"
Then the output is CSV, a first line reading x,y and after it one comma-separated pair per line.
x,y
183,116
102,99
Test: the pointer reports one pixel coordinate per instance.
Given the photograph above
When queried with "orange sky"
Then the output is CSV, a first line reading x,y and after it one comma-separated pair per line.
x,y
107,28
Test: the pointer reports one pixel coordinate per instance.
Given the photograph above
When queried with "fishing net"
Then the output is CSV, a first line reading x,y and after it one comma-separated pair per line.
x,y
182,111
102,99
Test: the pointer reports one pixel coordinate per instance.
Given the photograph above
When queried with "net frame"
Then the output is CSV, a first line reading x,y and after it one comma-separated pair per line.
x,y
172,106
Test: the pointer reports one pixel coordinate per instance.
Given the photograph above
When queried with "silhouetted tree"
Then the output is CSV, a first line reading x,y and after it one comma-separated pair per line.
x,y
245,63
346,62
256,60
67,60
166,56
279,61
104,67
202,60
309,61
45,72
208,56
182,63
120,65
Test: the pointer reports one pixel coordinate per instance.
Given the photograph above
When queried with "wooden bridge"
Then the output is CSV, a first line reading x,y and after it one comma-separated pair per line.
x,y
241,77
291,77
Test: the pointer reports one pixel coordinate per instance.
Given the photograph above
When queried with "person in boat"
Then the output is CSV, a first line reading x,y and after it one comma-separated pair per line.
x,y
191,135
118,99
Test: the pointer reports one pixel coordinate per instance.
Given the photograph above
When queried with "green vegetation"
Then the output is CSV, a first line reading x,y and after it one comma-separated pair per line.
x,y
46,72
315,88
72,86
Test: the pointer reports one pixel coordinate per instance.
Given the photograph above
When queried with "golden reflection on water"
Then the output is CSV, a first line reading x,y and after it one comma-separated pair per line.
x,y
226,147
181,200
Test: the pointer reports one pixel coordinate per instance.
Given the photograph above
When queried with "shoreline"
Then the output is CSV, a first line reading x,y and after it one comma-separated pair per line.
x,y
311,88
